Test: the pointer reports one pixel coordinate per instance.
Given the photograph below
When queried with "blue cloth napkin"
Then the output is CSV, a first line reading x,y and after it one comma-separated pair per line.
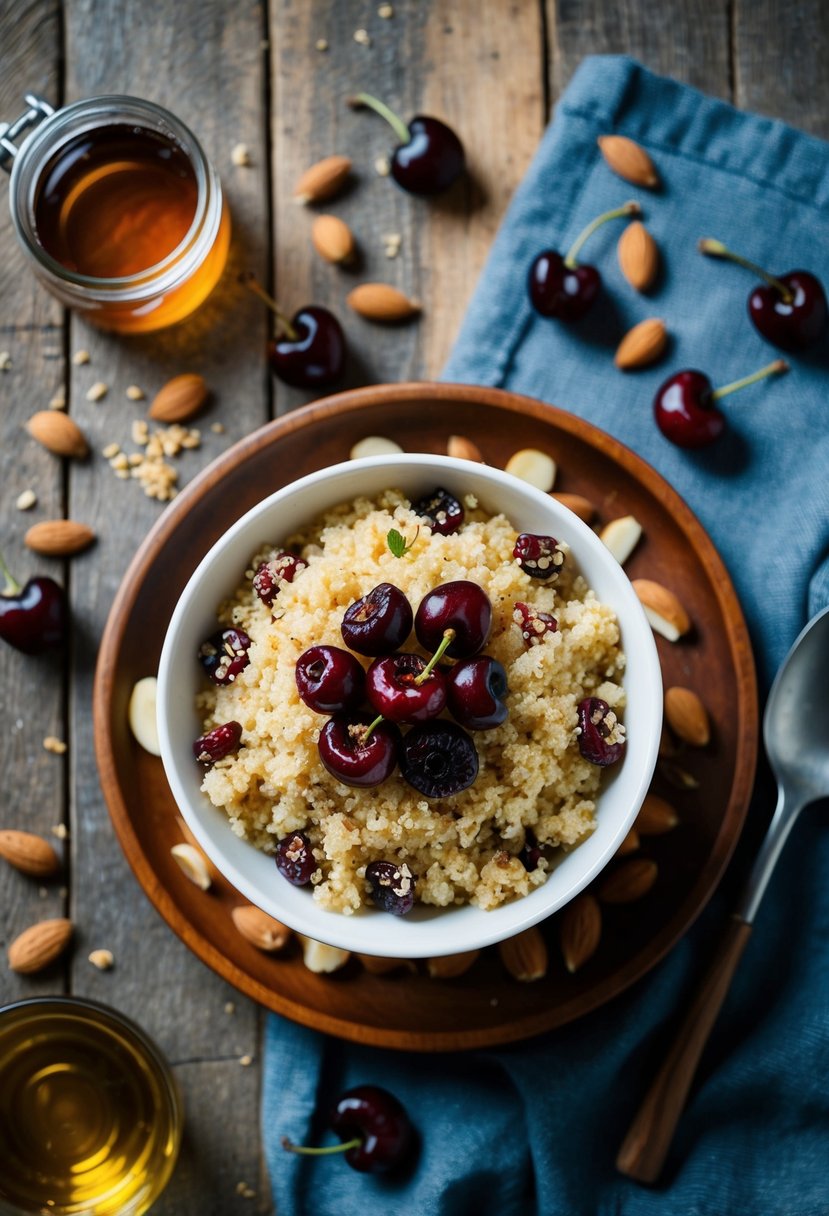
x,y
534,1128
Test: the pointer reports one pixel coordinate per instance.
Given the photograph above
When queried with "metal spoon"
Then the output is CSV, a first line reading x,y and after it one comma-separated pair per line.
x,y
796,736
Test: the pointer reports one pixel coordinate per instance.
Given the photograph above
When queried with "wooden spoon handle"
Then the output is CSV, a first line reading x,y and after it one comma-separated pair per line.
x,y
646,1144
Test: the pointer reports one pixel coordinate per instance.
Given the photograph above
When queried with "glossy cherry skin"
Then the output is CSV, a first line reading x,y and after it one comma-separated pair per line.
x,y
34,619
686,412
219,742
380,1121
392,691
352,761
316,357
273,574
597,722
560,291
432,159
794,326
225,654
392,886
476,691
329,680
441,510
462,606
438,758
379,622
295,859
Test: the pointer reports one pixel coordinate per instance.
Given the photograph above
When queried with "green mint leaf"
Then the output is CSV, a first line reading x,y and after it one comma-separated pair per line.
x,y
396,542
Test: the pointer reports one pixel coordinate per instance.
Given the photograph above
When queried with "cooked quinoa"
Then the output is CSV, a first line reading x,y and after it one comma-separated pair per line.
x,y
532,776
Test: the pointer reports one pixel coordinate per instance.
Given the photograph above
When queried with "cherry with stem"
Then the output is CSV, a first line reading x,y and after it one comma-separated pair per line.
x,y
33,618
563,287
685,406
309,348
429,156
375,1130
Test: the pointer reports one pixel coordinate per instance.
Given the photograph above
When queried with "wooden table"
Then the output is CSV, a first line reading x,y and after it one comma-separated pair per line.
x,y
256,73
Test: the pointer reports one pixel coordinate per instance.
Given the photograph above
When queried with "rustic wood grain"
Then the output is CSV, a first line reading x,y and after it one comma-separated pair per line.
x,y
781,50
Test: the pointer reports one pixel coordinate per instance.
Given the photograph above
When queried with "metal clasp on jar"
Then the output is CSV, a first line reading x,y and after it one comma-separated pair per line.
x,y
37,111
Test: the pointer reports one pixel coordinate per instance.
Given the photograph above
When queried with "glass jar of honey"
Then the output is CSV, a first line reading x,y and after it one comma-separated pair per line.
x,y
118,209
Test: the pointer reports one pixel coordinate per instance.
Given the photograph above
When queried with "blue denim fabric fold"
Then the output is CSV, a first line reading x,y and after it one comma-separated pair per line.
x,y
534,1128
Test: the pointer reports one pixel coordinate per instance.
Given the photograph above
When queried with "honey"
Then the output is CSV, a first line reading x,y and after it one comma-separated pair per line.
x,y
89,1118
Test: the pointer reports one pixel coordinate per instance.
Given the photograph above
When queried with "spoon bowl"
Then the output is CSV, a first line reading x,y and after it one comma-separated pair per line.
x,y
796,721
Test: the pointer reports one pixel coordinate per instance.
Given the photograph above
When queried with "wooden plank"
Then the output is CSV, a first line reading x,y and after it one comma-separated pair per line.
x,y
780,56
31,331
204,61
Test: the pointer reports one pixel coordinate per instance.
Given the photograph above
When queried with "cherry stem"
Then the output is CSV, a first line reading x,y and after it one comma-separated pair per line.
x,y
448,639
631,208
12,586
370,728
773,369
394,120
247,279
716,249
290,1147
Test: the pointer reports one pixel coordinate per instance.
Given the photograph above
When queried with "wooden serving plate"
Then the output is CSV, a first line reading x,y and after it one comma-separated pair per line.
x,y
484,1006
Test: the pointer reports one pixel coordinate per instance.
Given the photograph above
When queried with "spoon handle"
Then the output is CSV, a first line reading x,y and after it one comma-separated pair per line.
x,y
649,1137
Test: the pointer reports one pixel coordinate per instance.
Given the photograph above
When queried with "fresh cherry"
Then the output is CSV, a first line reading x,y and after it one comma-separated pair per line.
x,y
534,625
225,654
309,348
788,309
476,691
685,406
219,742
374,1128
357,750
392,886
379,622
438,758
601,739
33,618
461,606
295,859
403,688
539,556
273,574
560,286
441,510
329,679
429,156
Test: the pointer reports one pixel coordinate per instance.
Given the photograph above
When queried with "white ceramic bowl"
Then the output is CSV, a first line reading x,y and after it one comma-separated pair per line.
x,y
425,932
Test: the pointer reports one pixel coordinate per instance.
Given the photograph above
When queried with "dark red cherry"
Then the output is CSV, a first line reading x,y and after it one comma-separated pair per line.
x,y
393,689
601,741
309,349
429,156
295,859
219,742
273,574
563,288
531,853
539,556
379,622
33,618
392,886
476,691
462,606
374,1128
354,759
441,510
534,625
438,758
685,406
225,654
329,679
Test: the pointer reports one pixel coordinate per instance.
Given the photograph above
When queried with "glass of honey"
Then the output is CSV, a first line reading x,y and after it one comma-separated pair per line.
x,y
90,1114
118,209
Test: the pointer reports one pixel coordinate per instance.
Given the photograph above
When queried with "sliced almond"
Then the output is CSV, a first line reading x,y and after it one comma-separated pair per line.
x,y
656,816
191,862
628,881
687,716
29,853
638,255
375,965
677,776
321,958
59,433
662,608
142,715
579,505
260,929
642,345
382,302
629,160
102,959
59,537
374,445
534,467
622,536
180,398
449,966
630,844
39,945
525,955
463,449
191,839
323,180
580,931
333,239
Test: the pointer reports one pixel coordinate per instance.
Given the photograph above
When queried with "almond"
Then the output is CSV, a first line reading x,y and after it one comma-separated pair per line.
x,y
321,958
449,966
525,955
662,608
260,929
180,399
191,862
333,239
39,945
463,449
323,180
579,505
374,445
630,844
676,776
638,255
642,345
141,713
629,160
629,881
621,537
375,965
533,466
381,302
190,839
104,960
59,433
656,816
29,853
687,716
580,931
59,537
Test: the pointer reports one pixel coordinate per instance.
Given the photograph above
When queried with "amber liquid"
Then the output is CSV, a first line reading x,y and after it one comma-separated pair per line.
x,y
87,1122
